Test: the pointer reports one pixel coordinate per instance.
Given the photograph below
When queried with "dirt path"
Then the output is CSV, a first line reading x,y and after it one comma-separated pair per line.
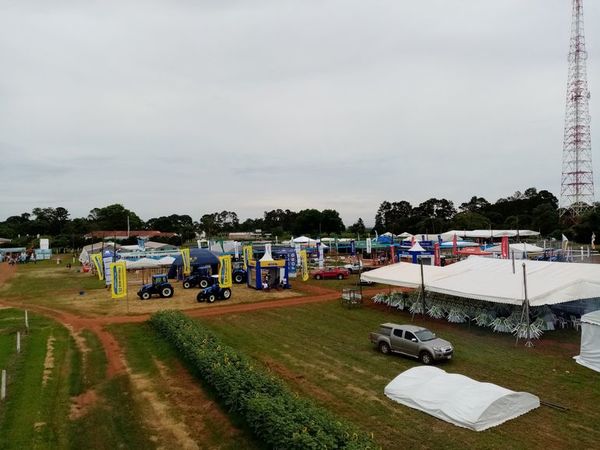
x,y
6,272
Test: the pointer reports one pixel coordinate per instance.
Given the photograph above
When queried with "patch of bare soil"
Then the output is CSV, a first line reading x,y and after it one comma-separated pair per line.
x,y
81,404
159,415
49,360
196,407
6,272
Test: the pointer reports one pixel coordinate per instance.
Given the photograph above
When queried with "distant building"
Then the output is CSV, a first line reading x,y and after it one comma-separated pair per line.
x,y
121,235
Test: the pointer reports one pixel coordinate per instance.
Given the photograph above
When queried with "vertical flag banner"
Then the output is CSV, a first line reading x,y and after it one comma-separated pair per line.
x,y
118,271
97,260
236,250
225,272
107,260
185,260
368,246
321,255
298,249
593,241
304,263
353,247
247,255
504,247
454,245
392,256
436,254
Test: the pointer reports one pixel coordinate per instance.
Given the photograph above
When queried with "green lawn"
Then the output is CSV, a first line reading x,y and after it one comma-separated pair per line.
x,y
42,388
322,351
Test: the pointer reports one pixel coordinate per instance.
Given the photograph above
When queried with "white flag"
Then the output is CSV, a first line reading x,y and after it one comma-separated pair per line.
x,y
593,241
368,249
565,242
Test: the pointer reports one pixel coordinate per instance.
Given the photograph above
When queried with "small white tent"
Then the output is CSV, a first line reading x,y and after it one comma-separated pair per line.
x,y
458,399
589,355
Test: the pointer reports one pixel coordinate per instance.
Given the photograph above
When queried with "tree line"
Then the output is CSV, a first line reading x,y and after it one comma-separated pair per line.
x,y
531,209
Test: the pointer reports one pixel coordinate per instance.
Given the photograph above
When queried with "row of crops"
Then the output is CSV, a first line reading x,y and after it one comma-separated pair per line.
x,y
277,417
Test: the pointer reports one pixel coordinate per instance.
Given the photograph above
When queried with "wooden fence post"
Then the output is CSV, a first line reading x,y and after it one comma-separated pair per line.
x,y
3,387
18,342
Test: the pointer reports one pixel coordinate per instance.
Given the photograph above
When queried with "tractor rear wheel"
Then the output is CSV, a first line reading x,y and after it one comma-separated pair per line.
x,y
226,294
166,292
203,284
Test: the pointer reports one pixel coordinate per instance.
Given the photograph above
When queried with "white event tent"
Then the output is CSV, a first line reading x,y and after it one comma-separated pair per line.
x,y
458,399
488,234
493,280
589,355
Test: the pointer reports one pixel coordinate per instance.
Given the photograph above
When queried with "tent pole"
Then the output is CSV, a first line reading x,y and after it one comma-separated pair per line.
x,y
528,343
513,261
422,287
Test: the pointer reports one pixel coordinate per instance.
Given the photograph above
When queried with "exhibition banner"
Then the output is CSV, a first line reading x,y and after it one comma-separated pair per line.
x,y
225,272
118,272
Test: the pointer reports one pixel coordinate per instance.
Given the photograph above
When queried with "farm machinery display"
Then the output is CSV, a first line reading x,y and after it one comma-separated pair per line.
x,y
160,286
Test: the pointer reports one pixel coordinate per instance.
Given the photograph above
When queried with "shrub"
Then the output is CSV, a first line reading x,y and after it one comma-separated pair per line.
x,y
277,417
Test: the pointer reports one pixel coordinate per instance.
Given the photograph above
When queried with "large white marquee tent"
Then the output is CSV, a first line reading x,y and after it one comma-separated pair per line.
x,y
493,280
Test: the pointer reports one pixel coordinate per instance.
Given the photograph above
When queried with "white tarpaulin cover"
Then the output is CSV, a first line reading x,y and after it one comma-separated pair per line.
x,y
589,355
493,280
142,263
458,399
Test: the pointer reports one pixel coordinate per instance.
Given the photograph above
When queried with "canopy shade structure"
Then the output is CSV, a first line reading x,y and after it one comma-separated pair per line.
x,y
488,234
142,263
521,247
589,355
493,280
458,399
198,257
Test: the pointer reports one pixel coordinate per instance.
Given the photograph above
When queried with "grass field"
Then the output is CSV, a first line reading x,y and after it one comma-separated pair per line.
x,y
188,415
47,403
322,351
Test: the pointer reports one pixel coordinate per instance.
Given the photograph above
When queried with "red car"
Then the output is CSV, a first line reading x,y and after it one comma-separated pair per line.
x,y
330,272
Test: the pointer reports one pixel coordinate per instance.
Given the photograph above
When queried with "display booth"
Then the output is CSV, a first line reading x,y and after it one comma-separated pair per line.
x,y
267,273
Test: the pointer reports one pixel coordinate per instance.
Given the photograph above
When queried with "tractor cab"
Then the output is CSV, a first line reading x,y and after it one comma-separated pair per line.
x,y
159,279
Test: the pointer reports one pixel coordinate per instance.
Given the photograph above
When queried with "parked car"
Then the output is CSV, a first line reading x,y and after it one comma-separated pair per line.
x,y
212,293
355,267
411,340
160,286
330,272
200,277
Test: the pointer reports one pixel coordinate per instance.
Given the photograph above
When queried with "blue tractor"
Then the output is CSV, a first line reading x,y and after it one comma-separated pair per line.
x,y
160,286
200,277
213,292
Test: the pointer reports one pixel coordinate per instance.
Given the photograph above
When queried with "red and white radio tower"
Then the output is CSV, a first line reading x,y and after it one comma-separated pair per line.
x,y
577,186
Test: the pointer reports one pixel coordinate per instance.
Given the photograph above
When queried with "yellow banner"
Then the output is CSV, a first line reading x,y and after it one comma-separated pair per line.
x,y
118,272
247,255
185,259
225,272
304,264
97,260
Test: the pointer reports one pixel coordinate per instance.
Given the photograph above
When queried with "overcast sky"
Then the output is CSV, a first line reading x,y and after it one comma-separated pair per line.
x,y
190,107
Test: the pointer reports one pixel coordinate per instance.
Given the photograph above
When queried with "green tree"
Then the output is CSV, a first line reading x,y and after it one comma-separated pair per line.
x,y
114,217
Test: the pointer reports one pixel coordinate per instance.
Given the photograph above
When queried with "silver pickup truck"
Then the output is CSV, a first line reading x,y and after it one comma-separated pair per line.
x,y
411,340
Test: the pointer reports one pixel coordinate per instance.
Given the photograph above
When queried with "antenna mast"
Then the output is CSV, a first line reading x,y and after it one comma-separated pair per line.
x,y
577,185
